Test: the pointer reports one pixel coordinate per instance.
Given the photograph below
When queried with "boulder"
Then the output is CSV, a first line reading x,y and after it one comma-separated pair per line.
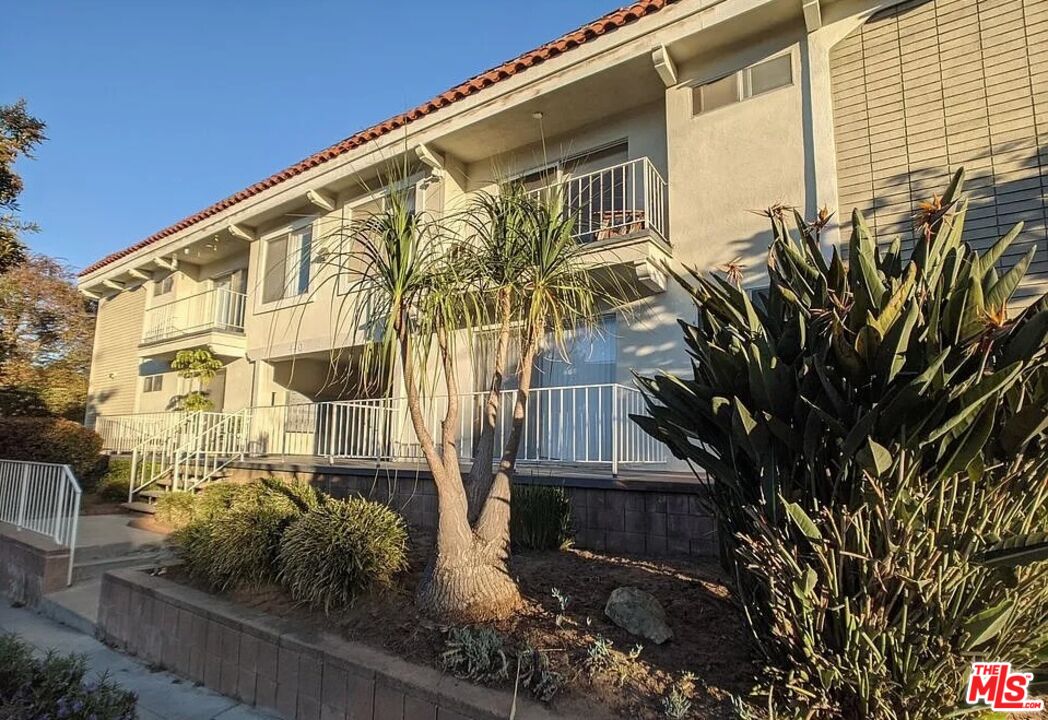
x,y
639,613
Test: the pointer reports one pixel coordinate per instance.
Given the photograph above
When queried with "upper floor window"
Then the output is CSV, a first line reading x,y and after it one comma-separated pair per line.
x,y
164,286
746,83
288,265
153,383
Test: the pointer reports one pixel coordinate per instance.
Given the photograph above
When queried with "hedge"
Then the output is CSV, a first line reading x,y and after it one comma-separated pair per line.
x,y
53,440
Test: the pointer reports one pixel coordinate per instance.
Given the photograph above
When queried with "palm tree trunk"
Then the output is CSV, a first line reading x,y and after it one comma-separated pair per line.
x,y
478,483
467,579
493,524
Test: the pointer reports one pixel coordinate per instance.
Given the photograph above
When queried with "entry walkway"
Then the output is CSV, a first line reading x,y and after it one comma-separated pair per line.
x,y
161,696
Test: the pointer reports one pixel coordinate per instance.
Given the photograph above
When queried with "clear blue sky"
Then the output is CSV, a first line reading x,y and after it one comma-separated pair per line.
x,y
157,109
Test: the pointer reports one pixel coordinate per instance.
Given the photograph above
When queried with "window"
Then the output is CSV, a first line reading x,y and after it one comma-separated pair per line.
x,y
768,75
288,265
153,383
718,93
744,84
164,286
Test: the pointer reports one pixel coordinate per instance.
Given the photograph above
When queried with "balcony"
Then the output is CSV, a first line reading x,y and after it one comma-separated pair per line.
x,y
620,214
214,317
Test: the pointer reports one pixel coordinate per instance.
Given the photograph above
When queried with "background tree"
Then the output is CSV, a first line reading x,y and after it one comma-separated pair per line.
x,y
429,287
199,366
20,133
871,432
46,333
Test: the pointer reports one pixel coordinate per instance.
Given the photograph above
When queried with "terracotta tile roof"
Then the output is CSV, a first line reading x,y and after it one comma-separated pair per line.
x,y
608,23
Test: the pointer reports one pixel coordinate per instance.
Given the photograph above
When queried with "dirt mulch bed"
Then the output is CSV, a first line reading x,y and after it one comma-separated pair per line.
x,y
710,638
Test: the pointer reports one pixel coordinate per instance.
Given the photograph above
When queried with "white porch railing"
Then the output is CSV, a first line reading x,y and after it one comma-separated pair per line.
x,y
578,424
123,433
218,309
615,201
43,498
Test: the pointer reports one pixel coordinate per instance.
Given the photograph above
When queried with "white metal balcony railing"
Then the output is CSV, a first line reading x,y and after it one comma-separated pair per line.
x,y
583,424
43,498
123,433
615,201
218,309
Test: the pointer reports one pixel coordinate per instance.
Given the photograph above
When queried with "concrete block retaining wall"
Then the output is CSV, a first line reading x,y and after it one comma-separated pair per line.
x,y
654,518
30,565
265,662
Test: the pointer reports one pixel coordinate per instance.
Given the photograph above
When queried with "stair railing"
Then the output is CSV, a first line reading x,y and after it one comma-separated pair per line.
x,y
205,453
154,458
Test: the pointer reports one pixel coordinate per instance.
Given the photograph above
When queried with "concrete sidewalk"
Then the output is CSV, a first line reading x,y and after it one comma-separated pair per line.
x,y
161,696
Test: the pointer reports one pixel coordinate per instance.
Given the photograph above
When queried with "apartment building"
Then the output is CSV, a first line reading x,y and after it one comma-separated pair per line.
x,y
667,121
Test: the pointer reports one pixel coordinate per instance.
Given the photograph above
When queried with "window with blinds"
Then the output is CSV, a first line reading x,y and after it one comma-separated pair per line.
x,y
926,87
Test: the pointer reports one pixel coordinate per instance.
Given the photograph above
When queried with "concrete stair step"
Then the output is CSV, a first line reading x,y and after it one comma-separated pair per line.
x,y
92,569
75,606
113,550
140,507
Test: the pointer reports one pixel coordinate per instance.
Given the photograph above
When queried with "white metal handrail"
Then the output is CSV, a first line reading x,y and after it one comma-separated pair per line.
x,y
43,498
154,457
615,201
217,309
209,449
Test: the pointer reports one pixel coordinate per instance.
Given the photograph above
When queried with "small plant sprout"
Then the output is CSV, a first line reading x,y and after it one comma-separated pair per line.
x,y
535,672
676,703
598,655
563,601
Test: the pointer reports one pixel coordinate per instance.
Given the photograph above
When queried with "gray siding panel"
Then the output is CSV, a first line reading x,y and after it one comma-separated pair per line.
x,y
928,86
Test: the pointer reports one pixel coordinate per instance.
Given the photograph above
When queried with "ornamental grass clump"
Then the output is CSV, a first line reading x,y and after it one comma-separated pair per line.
x,y
875,436
175,509
540,518
234,537
341,549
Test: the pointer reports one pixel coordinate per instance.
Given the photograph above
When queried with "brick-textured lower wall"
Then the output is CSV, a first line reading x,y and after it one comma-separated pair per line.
x,y
30,565
653,518
297,674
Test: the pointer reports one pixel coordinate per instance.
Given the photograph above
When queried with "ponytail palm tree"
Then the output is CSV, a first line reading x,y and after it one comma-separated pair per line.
x,y
422,288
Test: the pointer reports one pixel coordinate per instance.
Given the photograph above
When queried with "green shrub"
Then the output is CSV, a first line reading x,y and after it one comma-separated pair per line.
x,y
234,536
215,500
53,440
870,430
54,687
540,518
116,480
341,549
175,509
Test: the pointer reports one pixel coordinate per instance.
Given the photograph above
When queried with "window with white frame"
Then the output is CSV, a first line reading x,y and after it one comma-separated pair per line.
x,y
288,265
746,83
152,383
164,286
